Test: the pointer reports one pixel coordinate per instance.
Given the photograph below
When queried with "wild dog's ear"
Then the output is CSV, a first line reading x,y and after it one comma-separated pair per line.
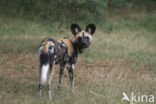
x,y
91,29
75,29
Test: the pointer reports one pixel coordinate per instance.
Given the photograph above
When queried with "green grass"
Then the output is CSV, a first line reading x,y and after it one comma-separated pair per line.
x,y
122,58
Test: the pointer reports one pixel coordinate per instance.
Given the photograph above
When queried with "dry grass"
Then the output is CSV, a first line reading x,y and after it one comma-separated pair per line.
x,y
19,85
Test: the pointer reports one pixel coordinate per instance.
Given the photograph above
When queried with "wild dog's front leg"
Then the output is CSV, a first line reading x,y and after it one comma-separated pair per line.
x,y
71,75
61,75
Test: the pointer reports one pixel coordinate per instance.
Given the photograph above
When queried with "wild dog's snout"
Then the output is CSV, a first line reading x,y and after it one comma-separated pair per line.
x,y
84,41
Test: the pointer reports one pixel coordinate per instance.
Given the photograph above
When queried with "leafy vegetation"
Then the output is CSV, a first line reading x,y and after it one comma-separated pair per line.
x,y
68,11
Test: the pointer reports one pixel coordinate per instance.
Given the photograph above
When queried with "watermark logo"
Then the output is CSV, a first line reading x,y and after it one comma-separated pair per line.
x,y
137,98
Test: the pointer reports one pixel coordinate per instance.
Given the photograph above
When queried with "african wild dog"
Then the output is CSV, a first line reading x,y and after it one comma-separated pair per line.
x,y
61,52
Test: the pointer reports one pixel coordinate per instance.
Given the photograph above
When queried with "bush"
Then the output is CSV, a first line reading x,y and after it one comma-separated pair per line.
x,y
65,10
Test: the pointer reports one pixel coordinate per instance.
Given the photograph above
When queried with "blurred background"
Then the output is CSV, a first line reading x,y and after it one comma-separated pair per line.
x,y
121,58
62,13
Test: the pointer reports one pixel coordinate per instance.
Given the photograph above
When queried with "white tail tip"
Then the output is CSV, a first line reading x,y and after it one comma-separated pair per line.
x,y
44,73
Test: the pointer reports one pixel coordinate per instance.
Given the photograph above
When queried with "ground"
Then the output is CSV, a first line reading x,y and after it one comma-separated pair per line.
x,y
122,58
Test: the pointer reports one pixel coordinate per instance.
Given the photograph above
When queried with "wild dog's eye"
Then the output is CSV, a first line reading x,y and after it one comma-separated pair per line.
x,y
86,38
79,38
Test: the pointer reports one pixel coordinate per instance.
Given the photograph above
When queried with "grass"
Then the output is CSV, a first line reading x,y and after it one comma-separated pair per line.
x,y
122,58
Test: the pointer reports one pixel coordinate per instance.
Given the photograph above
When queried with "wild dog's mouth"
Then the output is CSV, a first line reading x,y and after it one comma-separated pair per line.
x,y
82,47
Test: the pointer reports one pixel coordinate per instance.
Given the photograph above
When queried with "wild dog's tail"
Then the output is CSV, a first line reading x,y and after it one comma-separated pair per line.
x,y
44,52
44,72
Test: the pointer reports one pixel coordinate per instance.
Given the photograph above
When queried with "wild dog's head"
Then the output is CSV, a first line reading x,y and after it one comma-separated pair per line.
x,y
83,38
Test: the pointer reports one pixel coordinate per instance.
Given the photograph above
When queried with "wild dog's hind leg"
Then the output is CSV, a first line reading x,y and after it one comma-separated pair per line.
x,y
50,80
71,75
61,75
